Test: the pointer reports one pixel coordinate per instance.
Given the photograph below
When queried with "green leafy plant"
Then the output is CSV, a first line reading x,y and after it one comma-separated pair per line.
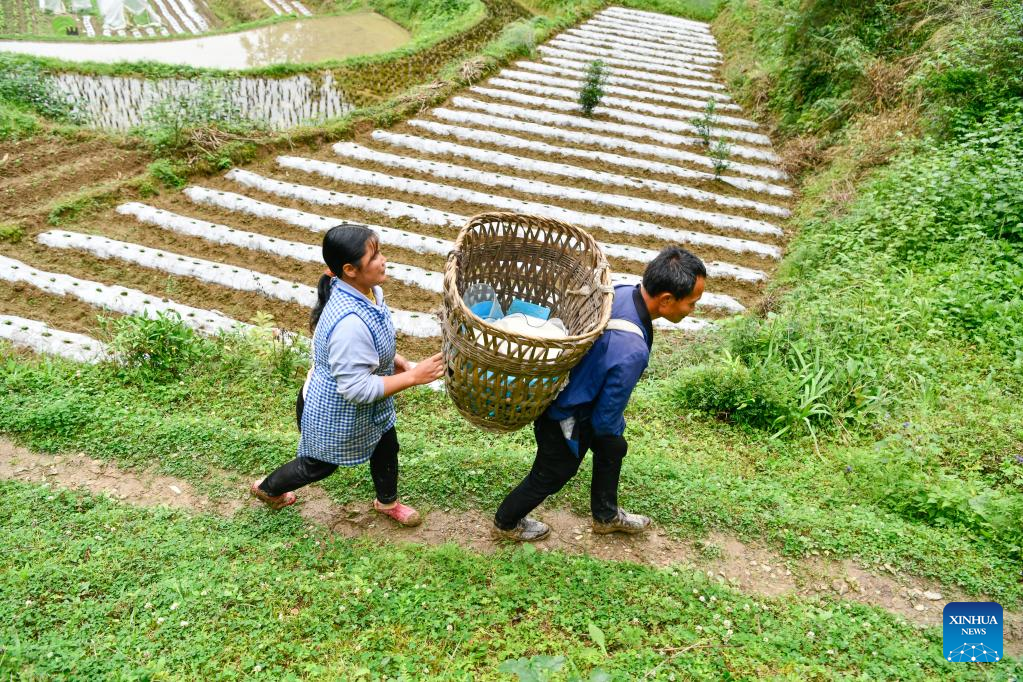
x,y
207,120
158,349
11,233
172,174
720,153
593,87
25,84
705,123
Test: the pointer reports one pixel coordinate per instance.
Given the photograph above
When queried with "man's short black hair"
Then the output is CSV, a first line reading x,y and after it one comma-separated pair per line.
x,y
675,271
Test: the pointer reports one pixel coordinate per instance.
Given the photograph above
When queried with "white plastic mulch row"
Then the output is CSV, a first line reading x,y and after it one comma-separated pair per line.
x,y
650,63
449,193
572,61
222,234
609,131
627,38
166,15
700,79
542,84
636,31
233,277
113,297
644,89
571,41
425,279
44,339
648,124
239,203
568,78
643,31
625,162
521,163
287,7
661,23
448,171
186,10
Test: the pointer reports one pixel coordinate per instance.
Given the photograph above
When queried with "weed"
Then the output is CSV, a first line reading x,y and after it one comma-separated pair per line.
x,y
16,124
705,123
169,173
11,233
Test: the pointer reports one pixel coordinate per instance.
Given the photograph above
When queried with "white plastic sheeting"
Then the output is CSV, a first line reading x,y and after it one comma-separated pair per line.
x,y
223,274
45,340
116,298
112,12
530,165
666,142
641,121
465,174
450,193
626,163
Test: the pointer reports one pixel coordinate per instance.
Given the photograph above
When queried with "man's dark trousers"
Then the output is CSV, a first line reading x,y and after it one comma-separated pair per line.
x,y
556,464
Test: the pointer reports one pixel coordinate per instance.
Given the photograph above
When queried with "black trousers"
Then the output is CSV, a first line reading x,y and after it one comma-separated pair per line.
x,y
555,465
301,471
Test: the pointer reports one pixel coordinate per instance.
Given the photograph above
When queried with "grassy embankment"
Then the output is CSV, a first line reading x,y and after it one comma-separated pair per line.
x,y
871,412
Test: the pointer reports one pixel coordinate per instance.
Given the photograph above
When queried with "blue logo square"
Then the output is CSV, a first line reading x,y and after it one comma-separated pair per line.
x,y
972,632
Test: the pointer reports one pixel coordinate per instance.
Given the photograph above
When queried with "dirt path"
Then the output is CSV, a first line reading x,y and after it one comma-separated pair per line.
x,y
749,568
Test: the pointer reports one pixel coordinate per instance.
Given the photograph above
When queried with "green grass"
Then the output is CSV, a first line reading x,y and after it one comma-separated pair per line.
x,y
97,590
234,411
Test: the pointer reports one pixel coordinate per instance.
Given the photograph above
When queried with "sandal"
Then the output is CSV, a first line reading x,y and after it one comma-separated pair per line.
x,y
273,501
403,514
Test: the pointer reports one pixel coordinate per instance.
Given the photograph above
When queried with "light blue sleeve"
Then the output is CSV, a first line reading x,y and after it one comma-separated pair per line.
x,y
353,358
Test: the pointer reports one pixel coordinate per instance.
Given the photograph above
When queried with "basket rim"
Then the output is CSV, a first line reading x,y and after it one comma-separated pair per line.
x,y
451,290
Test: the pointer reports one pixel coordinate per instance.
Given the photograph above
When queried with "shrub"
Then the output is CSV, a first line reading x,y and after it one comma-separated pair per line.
x,y
775,374
25,85
207,119
518,39
168,172
758,397
156,349
593,87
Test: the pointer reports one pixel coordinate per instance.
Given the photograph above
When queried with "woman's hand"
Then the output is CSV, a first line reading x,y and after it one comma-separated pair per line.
x,y
428,370
402,364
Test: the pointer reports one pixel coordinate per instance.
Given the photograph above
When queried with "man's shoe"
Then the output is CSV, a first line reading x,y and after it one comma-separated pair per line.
x,y
526,530
625,522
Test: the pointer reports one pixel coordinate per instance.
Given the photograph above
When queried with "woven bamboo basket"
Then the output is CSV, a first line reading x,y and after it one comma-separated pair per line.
x,y
501,380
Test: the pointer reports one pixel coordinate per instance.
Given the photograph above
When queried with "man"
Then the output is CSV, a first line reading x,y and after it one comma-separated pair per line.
x,y
589,413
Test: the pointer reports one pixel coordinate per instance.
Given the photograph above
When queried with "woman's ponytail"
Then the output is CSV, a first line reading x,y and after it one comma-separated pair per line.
x,y
322,295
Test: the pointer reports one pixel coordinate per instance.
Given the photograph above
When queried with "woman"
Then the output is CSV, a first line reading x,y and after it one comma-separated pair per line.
x,y
345,410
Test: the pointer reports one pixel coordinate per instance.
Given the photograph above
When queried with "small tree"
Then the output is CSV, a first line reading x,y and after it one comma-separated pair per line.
x,y
593,88
719,154
705,123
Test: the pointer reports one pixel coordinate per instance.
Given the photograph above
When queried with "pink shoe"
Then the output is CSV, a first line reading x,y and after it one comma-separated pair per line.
x,y
403,514
273,501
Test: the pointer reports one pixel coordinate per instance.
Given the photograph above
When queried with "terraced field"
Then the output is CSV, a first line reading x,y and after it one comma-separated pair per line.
x,y
639,175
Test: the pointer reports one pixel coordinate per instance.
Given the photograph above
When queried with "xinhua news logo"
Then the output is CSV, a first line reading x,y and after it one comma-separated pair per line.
x,y
972,632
